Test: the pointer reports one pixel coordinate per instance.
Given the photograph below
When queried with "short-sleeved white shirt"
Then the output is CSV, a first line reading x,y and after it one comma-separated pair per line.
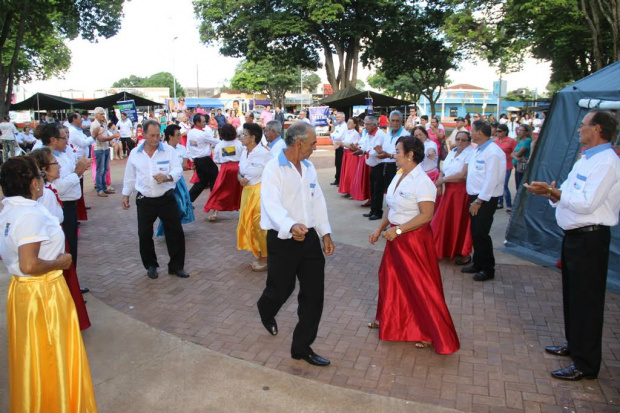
x,y
227,151
403,201
251,165
454,164
24,221
50,202
429,164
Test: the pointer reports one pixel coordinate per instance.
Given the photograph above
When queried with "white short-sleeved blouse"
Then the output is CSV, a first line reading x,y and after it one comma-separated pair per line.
x,y
251,165
403,201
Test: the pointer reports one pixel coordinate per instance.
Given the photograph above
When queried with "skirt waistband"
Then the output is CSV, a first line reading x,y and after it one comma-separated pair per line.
x,y
48,276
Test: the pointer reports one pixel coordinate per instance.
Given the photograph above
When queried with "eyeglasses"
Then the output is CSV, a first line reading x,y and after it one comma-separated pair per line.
x,y
581,125
43,175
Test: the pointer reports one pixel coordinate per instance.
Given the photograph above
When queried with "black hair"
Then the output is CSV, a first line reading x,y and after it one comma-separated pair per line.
x,y
169,131
145,125
483,126
420,128
608,123
228,132
411,144
49,131
425,117
73,116
466,133
16,174
254,130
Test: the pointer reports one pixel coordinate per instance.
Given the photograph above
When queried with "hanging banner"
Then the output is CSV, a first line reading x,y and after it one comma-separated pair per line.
x,y
128,107
369,106
318,115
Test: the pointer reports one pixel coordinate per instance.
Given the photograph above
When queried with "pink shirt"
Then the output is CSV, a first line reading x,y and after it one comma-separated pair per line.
x,y
266,116
508,146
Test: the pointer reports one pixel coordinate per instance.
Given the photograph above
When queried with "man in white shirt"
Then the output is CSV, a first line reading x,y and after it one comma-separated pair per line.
x,y
86,123
486,172
77,139
125,127
99,131
460,127
374,148
152,170
26,139
337,137
9,138
199,142
303,116
587,205
294,213
273,134
412,120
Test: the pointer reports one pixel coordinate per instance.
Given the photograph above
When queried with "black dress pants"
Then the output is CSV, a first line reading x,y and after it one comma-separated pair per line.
x,y
127,145
165,208
380,178
585,256
287,260
70,227
483,258
338,162
207,174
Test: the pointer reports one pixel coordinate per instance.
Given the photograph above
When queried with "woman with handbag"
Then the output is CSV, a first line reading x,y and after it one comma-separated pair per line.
x,y
521,155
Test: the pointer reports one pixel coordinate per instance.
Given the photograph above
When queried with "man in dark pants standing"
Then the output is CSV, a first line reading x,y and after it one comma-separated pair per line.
x,y
199,141
374,148
294,213
486,172
152,170
587,205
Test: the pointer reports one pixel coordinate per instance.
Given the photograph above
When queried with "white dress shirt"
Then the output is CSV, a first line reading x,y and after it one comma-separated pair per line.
x,y
276,146
199,142
430,148
378,139
389,145
68,184
25,221
339,133
252,165
79,142
125,127
181,152
141,169
591,192
227,151
288,198
454,164
403,201
486,171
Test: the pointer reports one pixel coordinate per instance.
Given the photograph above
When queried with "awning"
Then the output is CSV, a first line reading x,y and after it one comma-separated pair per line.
x,y
351,97
111,100
43,101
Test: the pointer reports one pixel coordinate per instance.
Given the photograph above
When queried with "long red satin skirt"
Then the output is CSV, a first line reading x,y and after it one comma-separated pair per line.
x,y
81,204
347,172
71,279
411,303
360,187
226,192
451,223
434,175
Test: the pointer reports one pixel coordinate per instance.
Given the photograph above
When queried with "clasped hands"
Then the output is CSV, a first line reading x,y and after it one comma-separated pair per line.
x,y
389,235
299,232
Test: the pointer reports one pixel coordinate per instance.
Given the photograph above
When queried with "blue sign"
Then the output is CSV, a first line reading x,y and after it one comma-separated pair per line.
x,y
318,115
128,107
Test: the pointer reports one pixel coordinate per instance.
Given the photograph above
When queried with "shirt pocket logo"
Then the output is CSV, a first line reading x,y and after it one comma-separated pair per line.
x,y
580,182
406,195
163,167
480,165
312,188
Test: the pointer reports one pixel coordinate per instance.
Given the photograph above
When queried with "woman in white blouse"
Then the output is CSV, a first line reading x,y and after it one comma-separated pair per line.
x,y
349,161
429,164
250,236
411,304
452,220
48,368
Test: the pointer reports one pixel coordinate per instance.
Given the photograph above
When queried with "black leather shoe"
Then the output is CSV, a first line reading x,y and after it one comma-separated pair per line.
x,y
374,217
179,273
271,326
562,350
571,373
472,269
484,275
84,290
313,359
152,272
334,183
367,215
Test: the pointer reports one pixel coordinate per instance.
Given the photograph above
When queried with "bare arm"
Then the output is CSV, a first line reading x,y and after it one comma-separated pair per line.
x,y
30,263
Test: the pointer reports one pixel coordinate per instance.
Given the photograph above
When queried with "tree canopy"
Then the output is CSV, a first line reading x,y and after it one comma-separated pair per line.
x,y
264,77
311,81
402,87
161,79
33,36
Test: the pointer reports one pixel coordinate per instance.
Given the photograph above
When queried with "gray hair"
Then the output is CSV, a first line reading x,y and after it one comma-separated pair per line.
x,y
145,125
298,130
99,110
274,126
372,120
396,113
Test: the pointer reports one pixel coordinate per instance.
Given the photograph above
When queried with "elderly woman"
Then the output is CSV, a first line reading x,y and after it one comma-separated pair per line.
x,y
226,192
411,304
451,221
250,236
521,155
48,368
360,185
349,161
429,164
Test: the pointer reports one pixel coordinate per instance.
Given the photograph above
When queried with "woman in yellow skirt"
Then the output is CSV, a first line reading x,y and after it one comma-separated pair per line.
x,y
48,368
250,236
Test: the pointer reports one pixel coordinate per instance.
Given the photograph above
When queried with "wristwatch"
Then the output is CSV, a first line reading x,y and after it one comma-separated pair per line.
x,y
398,231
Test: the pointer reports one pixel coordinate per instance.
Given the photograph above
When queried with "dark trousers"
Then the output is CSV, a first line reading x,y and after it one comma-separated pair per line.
x,y
585,257
207,174
380,178
70,227
338,162
127,145
287,260
165,208
480,228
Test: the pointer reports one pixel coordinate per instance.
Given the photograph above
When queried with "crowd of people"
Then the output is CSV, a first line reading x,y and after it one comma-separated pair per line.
x,y
441,193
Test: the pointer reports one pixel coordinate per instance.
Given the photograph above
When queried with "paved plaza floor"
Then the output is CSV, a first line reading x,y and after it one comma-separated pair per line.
x,y
197,344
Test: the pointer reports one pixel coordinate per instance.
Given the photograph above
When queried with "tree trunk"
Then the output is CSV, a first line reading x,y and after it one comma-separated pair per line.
x,y
610,9
7,79
592,21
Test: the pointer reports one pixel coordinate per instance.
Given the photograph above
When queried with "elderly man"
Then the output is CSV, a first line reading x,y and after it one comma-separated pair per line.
x,y
152,170
587,206
273,134
374,147
389,147
337,137
99,131
486,172
294,214
249,118
303,116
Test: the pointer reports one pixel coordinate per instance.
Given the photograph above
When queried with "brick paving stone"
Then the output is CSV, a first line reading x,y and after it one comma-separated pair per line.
x,y
503,325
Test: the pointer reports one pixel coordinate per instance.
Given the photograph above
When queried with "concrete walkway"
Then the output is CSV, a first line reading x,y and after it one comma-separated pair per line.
x,y
196,345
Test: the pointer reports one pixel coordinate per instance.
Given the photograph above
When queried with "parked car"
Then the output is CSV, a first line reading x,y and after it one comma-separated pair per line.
x,y
289,117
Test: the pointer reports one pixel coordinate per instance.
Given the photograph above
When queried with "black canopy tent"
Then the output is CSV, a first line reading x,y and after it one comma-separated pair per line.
x,y
43,101
345,99
111,100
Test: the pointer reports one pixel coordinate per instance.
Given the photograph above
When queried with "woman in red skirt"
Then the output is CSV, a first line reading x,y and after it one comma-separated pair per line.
x,y
451,221
48,165
349,161
360,186
226,192
411,304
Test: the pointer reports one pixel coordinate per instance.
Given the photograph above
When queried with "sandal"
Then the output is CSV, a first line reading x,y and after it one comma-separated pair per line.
x,y
422,344
374,324
257,267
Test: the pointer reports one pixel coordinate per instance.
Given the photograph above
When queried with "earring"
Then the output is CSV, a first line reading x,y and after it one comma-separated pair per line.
x,y
409,159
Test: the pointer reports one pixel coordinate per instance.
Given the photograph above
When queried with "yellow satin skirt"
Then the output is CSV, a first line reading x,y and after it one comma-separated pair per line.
x,y
48,368
250,237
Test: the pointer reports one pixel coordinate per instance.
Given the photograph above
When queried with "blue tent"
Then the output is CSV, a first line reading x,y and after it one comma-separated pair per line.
x,y
533,230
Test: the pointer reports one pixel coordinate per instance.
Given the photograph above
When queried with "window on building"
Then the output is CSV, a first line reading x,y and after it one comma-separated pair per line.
x,y
454,112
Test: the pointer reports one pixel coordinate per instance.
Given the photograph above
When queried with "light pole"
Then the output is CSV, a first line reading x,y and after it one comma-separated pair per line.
x,y
174,78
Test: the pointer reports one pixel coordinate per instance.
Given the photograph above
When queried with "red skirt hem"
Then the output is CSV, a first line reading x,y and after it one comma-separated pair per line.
x,y
226,193
347,172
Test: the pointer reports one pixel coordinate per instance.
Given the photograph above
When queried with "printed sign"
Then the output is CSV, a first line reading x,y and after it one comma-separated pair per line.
x,y
128,107
318,115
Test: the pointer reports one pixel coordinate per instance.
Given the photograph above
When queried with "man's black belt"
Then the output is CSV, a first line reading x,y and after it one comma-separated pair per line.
x,y
69,202
589,228
167,193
